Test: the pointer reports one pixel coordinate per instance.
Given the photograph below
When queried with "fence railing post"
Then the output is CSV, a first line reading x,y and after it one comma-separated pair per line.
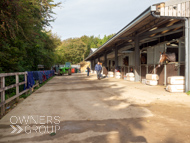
x,y
3,96
25,77
17,86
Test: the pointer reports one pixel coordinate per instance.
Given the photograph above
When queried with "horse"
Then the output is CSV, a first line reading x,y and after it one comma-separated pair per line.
x,y
171,57
126,61
143,60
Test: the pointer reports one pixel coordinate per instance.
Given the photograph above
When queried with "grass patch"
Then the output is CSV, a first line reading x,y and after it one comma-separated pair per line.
x,y
40,85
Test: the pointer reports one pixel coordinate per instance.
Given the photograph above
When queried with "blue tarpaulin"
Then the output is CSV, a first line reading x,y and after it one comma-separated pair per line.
x,y
30,79
40,76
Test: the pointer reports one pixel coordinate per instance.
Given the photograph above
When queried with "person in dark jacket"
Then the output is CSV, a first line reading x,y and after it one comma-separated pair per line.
x,y
88,70
98,69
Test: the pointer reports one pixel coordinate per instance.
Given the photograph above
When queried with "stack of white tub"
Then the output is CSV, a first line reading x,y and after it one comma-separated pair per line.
x,y
176,84
129,76
110,74
152,79
143,81
102,73
117,75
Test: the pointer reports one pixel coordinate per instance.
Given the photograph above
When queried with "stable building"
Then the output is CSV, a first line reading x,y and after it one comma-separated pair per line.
x,y
163,27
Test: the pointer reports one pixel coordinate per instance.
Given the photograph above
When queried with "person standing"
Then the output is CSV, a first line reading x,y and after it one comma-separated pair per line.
x,y
88,70
98,69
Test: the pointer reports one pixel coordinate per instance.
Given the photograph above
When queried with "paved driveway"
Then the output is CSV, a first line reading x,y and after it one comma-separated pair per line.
x,y
80,109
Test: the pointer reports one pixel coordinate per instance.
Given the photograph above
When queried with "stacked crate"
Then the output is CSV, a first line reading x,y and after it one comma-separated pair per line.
x,y
129,76
176,84
117,75
152,79
110,74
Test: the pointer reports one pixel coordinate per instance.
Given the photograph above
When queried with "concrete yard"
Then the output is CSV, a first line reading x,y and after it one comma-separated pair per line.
x,y
83,109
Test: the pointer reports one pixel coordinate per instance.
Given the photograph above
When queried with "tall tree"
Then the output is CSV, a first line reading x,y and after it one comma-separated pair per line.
x,y
77,49
24,42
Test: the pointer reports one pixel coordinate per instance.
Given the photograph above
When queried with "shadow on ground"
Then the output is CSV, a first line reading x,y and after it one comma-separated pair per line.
x,y
123,130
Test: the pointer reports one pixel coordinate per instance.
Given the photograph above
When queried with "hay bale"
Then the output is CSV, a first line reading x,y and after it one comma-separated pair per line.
x,y
130,78
175,88
130,74
151,82
117,74
110,73
152,77
176,80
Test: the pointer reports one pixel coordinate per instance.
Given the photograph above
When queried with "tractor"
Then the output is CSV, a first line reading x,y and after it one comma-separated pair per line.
x,y
66,69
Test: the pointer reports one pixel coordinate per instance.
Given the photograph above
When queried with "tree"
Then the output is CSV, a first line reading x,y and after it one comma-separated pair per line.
x,y
77,49
24,42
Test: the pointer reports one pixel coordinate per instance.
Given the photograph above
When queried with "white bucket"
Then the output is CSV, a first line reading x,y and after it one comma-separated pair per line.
x,y
143,81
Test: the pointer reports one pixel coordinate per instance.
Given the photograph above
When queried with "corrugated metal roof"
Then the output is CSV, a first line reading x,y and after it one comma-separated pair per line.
x,y
142,16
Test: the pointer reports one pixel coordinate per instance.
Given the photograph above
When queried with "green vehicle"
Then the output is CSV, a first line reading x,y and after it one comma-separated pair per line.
x,y
66,69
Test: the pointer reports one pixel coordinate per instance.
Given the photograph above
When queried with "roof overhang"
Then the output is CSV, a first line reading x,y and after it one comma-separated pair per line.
x,y
146,26
142,16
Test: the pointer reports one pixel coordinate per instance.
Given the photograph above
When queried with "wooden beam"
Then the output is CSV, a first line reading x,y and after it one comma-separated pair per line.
x,y
146,34
148,27
16,96
12,74
126,38
12,86
148,39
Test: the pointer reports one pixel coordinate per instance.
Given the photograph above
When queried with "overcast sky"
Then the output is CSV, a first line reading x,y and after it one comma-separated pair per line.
x,y
76,18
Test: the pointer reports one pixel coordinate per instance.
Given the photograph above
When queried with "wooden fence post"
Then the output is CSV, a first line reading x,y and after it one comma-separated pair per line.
x,y
3,96
25,76
17,87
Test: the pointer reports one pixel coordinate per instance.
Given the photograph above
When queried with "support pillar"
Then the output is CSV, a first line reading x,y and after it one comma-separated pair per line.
x,y
91,64
98,58
179,56
137,60
116,57
94,63
187,55
105,59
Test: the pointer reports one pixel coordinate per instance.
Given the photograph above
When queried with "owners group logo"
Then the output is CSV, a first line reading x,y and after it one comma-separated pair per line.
x,y
37,124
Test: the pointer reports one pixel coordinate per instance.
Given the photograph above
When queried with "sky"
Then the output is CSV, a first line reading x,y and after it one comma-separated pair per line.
x,y
76,18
